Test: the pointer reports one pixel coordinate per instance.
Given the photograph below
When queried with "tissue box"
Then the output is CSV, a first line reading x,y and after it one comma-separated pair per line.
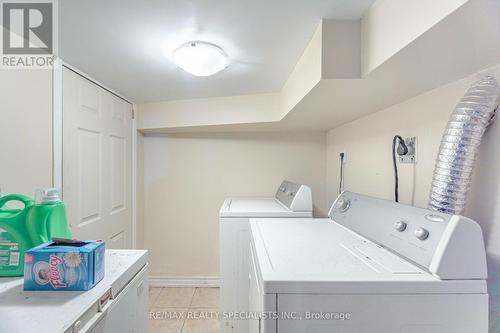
x,y
75,265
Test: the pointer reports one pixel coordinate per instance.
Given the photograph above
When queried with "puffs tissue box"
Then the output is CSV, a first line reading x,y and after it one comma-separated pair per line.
x,y
64,265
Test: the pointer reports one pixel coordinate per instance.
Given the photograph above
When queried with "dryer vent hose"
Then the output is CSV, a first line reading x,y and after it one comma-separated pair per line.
x,y
459,146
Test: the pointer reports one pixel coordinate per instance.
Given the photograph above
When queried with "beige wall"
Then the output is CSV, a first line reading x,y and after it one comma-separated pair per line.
x,y
390,25
209,111
341,49
367,144
188,176
305,75
25,130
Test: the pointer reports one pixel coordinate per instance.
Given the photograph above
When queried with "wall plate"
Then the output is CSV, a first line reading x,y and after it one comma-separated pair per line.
x,y
411,157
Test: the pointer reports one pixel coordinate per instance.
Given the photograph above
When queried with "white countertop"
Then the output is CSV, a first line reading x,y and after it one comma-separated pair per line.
x,y
54,311
319,255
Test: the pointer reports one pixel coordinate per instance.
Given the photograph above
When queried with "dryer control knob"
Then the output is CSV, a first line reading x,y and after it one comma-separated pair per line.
x,y
421,233
342,205
400,226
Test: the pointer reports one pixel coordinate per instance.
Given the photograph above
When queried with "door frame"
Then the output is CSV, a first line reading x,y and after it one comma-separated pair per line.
x,y
57,133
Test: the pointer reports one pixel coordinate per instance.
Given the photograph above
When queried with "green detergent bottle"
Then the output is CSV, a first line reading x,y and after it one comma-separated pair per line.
x,y
14,236
47,218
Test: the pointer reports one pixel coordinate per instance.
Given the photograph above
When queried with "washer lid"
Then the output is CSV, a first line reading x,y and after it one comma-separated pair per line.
x,y
428,238
258,207
321,256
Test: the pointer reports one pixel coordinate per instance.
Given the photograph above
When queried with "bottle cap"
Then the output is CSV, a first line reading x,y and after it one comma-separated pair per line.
x,y
47,196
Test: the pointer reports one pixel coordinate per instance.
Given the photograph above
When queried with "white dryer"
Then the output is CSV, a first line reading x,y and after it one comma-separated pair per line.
x,y
291,200
374,266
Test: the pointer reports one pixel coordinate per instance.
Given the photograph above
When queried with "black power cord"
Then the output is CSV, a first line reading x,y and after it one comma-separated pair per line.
x,y
402,150
341,185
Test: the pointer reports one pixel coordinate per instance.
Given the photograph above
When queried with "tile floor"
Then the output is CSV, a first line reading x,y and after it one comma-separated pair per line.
x,y
183,310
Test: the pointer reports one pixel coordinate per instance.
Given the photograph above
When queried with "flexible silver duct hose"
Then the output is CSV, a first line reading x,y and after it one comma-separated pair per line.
x,y
460,144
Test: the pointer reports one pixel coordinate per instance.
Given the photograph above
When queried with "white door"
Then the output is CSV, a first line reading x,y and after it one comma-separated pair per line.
x,y
97,162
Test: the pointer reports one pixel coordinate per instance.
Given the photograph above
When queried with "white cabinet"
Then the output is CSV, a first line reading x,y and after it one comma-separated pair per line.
x,y
128,312
117,304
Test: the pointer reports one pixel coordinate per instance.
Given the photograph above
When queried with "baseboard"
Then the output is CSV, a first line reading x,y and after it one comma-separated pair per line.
x,y
184,281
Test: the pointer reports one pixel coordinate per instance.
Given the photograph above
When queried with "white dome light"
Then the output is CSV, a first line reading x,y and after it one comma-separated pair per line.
x,y
200,58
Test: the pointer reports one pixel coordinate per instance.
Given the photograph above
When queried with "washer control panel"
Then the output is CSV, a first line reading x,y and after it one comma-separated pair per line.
x,y
297,197
400,226
428,238
421,233
342,205
413,232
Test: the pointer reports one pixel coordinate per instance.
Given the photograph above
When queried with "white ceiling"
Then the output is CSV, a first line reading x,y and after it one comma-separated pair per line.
x,y
122,42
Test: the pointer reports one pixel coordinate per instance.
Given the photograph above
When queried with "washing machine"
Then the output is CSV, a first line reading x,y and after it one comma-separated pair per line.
x,y
373,266
290,200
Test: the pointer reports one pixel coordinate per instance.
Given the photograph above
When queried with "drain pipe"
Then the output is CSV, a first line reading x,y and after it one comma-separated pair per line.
x,y
460,144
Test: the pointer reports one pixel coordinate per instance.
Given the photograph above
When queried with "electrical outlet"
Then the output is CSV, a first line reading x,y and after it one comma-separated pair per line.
x,y
411,157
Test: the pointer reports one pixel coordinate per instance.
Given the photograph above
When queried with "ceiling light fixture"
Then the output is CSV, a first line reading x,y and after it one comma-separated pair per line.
x,y
200,58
